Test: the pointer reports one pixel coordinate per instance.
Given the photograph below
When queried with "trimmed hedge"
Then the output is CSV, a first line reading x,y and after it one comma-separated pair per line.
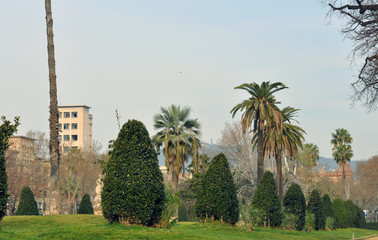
x,y
217,198
27,204
351,213
340,213
327,206
266,199
295,203
133,191
315,206
85,206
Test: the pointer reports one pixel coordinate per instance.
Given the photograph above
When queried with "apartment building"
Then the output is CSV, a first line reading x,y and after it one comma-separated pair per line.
x,y
75,127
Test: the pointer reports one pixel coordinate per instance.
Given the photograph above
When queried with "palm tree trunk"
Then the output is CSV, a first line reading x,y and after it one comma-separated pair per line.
x,y
279,176
260,155
54,114
345,190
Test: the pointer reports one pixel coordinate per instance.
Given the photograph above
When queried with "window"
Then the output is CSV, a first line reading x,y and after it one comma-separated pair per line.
x,y
60,138
66,114
66,126
74,114
74,126
74,137
66,149
60,114
66,137
60,126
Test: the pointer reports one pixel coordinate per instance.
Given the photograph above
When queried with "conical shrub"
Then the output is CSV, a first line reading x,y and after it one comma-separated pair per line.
x,y
85,206
315,206
295,203
340,213
27,204
218,195
133,191
266,199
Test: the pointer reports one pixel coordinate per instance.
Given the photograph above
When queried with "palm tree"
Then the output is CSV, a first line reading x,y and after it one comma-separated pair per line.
x,y
261,111
342,151
54,115
180,136
285,141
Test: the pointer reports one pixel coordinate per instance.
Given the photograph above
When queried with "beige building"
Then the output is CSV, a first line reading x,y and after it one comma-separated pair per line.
x,y
75,127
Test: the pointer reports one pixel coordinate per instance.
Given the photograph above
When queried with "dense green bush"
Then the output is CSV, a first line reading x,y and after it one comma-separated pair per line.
x,y
217,198
295,203
351,213
310,222
340,212
133,191
330,223
85,206
171,204
27,204
289,221
361,221
315,206
6,131
327,206
266,199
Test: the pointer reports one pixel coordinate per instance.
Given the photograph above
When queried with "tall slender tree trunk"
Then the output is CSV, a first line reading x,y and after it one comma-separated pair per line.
x,y
279,176
345,190
260,155
54,115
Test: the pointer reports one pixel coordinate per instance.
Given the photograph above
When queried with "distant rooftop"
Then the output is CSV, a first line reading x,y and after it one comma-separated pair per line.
x,y
24,137
73,106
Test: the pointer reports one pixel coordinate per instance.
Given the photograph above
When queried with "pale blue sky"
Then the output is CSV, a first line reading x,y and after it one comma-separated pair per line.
x,y
128,55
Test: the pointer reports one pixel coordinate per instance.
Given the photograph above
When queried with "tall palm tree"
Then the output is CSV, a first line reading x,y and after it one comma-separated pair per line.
x,y
54,114
180,137
261,111
342,151
285,141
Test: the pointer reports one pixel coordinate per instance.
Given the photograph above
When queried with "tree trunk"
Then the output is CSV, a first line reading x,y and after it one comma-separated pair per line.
x,y
260,155
279,177
345,190
54,115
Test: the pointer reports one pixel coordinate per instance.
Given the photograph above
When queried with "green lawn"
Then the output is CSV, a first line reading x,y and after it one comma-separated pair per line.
x,y
96,227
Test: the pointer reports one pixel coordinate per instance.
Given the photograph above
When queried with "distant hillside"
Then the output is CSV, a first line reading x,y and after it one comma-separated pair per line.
x,y
330,165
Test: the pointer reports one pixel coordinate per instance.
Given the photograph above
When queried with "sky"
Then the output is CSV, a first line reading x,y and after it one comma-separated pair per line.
x,y
138,56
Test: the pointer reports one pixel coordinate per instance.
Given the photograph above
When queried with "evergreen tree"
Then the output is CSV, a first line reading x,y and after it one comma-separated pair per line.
x,y
295,203
327,206
6,131
315,206
266,199
340,212
85,206
27,204
361,221
217,197
351,213
133,191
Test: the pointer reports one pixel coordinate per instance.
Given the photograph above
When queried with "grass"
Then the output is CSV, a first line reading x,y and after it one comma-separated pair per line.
x,y
96,227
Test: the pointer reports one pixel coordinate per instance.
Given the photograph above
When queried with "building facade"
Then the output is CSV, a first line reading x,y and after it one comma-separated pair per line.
x,y
75,127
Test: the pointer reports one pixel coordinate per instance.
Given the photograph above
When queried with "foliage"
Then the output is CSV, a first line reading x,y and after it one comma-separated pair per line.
x,y
315,206
310,222
77,227
327,206
260,111
27,204
85,206
217,197
340,212
133,191
266,199
7,129
361,28
170,206
361,221
182,214
289,221
330,223
295,203
180,137
351,213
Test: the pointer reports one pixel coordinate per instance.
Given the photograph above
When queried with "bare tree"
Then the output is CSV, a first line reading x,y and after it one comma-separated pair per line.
x,y
41,143
362,28
54,114
236,145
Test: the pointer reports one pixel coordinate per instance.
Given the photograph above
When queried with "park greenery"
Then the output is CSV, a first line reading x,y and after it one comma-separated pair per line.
x,y
85,206
27,204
